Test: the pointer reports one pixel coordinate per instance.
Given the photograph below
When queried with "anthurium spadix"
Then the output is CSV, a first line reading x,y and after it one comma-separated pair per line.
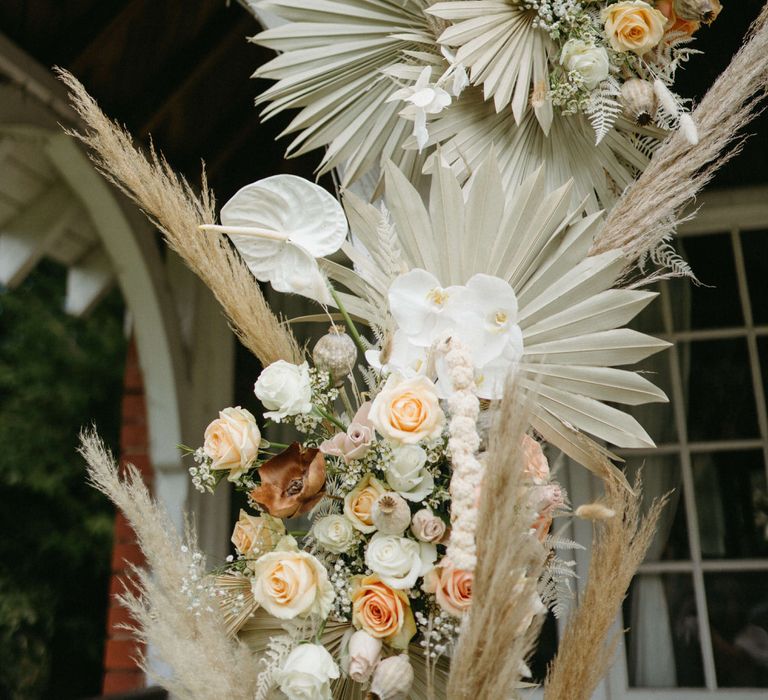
x,y
280,226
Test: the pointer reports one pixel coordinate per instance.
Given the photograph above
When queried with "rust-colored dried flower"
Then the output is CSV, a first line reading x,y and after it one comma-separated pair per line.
x,y
291,482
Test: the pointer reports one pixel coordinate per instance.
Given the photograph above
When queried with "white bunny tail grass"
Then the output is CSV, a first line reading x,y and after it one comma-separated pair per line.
x,y
172,604
503,626
651,207
170,203
619,545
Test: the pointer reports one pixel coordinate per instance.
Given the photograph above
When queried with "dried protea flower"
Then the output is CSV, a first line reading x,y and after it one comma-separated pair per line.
x,y
391,514
392,679
291,482
639,100
698,10
335,353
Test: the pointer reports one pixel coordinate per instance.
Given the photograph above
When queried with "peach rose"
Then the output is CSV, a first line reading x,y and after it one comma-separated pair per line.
x,y
232,441
633,25
407,410
452,588
254,536
675,24
358,503
382,612
292,583
536,466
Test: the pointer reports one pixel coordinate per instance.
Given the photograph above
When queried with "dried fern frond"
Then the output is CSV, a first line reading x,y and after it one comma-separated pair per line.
x,y
502,629
170,203
620,543
651,207
189,638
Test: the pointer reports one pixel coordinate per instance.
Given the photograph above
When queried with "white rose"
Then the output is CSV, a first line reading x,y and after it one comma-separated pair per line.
x,y
399,561
407,475
307,673
232,441
334,533
363,655
284,389
591,62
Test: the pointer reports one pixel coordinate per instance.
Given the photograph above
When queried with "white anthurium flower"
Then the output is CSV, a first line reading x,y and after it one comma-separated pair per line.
x,y
280,226
406,473
484,313
424,98
418,304
399,561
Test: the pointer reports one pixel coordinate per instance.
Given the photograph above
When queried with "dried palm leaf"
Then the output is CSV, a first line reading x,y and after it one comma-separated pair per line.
x,y
504,51
331,68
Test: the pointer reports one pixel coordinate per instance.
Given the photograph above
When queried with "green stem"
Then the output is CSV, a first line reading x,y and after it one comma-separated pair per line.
x,y
348,321
279,445
347,403
324,414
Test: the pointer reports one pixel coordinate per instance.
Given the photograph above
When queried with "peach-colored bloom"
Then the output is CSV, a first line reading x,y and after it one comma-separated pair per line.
x,y
452,588
382,612
232,441
254,536
634,26
358,503
675,24
407,410
536,466
291,482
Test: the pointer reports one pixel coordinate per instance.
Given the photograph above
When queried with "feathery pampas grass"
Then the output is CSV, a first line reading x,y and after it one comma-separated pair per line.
x,y
170,605
621,539
171,204
500,632
651,207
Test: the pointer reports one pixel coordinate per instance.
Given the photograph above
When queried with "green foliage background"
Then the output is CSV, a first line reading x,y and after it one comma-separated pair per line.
x,y
57,374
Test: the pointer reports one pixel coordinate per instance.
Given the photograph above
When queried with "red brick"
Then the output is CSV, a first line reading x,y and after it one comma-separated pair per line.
x,y
139,458
122,681
117,615
120,654
133,436
120,583
124,553
133,409
123,531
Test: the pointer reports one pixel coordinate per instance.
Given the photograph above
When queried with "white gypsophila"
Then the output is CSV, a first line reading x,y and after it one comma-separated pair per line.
x,y
334,533
463,443
307,673
285,389
589,61
399,561
406,472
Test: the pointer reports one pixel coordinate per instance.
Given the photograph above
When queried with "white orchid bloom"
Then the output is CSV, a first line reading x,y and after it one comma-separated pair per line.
x,y
280,226
405,357
424,98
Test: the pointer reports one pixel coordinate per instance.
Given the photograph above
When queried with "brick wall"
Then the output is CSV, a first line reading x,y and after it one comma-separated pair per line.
x,y
121,672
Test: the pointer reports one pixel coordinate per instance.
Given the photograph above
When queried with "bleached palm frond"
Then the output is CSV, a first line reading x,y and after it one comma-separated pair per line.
x,y
570,316
468,130
504,51
331,67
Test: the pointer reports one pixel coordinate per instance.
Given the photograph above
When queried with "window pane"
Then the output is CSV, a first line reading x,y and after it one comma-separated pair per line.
x,y
721,402
662,474
731,503
663,640
738,618
717,304
755,247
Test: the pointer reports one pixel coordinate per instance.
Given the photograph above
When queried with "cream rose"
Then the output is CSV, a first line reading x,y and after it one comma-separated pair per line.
x,y
633,25
363,654
232,441
407,410
284,389
382,612
427,527
589,61
307,673
406,473
254,536
452,588
399,561
358,503
289,584
334,533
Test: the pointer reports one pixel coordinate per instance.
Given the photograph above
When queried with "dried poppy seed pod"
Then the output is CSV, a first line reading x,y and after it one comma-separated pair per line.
x,y
392,679
335,353
698,10
639,100
391,514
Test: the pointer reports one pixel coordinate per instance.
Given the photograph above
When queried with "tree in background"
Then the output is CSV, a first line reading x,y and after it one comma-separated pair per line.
x,y
56,372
